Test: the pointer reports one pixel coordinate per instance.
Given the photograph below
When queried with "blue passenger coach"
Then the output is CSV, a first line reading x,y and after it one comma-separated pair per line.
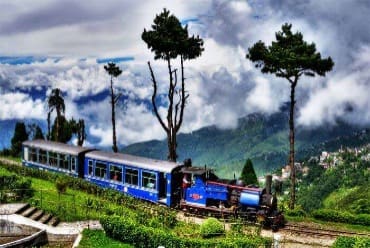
x,y
144,178
54,156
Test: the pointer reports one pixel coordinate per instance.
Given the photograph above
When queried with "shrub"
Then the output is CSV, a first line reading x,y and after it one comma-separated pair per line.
x,y
61,185
211,228
351,242
297,212
14,188
343,217
129,231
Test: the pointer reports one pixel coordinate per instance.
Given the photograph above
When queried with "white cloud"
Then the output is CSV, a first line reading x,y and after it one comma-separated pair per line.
x,y
20,106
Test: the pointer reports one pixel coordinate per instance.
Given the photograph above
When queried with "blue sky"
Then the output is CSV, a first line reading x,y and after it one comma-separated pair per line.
x,y
48,44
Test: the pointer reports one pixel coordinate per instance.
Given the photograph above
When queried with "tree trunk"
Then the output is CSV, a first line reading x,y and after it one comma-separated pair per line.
x,y
49,134
114,147
58,125
291,141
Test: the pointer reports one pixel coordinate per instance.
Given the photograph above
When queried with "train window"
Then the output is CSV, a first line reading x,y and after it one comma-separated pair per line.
x,y
91,168
42,157
148,180
53,159
33,154
64,161
100,169
132,176
115,173
73,163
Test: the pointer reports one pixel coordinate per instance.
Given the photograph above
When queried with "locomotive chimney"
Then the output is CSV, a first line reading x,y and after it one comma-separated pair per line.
x,y
187,162
268,184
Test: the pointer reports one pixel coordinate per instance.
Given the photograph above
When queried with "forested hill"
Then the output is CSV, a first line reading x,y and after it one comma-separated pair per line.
x,y
264,139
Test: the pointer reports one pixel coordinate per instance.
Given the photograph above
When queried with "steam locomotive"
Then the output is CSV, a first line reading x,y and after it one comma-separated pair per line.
x,y
157,181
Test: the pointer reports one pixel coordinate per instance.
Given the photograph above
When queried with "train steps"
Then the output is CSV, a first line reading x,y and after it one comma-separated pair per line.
x,y
38,215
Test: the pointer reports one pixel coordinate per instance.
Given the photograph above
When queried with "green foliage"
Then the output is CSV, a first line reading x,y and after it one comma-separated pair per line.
x,y
343,217
169,39
128,231
98,239
297,212
351,242
61,185
211,227
64,132
55,102
14,188
248,174
343,188
289,56
20,135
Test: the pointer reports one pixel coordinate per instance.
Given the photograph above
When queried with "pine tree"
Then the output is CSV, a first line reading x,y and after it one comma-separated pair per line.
x,y
248,175
20,135
290,57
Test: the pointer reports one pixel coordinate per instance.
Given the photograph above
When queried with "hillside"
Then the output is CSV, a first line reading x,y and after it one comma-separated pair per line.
x,y
262,138
343,187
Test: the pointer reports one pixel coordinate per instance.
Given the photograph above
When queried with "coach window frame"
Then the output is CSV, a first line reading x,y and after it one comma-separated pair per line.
x,y
128,173
90,167
99,167
111,176
148,179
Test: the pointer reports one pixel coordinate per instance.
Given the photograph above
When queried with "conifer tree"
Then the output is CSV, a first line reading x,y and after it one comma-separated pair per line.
x,y
289,57
248,175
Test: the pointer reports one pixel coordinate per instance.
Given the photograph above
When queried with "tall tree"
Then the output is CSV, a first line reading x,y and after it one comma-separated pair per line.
x,y
63,128
78,128
289,57
114,71
55,102
248,175
168,40
20,135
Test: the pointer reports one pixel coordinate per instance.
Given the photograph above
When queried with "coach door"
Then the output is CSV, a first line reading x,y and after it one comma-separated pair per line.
x,y
162,186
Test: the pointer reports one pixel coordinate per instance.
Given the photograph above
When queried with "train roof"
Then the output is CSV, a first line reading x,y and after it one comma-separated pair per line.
x,y
136,161
56,146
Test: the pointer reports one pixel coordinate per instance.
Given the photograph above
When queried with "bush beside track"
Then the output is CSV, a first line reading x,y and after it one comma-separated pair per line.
x,y
343,217
129,231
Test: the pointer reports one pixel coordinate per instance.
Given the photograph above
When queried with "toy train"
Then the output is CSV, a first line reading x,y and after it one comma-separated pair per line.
x,y
163,182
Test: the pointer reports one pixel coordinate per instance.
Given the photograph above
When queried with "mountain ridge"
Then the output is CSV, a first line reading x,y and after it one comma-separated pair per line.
x,y
263,138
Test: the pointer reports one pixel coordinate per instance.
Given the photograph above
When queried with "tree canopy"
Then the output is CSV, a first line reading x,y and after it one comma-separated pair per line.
x,y
248,175
289,56
20,135
55,102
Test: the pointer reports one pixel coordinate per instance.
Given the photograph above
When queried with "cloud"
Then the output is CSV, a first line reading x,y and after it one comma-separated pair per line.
x,y
20,106
61,44
345,96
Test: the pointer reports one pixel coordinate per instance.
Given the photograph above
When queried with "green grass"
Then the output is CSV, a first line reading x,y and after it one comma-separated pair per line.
x,y
5,172
71,206
97,238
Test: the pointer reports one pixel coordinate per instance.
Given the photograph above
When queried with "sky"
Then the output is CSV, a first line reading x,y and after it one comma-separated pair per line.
x,y
46,44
